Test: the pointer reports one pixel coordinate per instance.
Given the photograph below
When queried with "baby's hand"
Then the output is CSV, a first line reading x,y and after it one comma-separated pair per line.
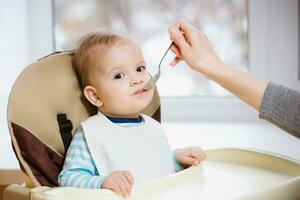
x,y
190,156
120,182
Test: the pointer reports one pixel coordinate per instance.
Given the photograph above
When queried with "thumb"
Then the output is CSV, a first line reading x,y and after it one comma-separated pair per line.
x,y
177,36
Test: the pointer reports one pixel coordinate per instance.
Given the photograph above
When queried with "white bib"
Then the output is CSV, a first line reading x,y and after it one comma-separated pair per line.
x,y
142,150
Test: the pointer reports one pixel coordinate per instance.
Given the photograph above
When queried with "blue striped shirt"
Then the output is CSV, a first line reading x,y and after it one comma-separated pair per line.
x,y
79,169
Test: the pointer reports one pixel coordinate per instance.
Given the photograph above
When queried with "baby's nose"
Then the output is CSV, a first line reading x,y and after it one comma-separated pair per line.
x,y
136,82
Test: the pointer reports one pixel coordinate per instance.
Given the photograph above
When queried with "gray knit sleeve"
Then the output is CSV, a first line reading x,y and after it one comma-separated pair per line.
x,y
281,106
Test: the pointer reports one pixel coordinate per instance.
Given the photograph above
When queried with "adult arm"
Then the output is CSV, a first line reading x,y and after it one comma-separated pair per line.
x,y
277,104
192,46
281,106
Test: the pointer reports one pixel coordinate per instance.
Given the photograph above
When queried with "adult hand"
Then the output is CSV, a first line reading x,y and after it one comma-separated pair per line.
x,y
193,46
120,182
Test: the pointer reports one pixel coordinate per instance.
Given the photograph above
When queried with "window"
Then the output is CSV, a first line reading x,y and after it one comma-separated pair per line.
x,y
271,47
147,21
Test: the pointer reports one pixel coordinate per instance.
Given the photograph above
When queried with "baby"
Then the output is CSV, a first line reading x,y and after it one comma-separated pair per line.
x,y
118,146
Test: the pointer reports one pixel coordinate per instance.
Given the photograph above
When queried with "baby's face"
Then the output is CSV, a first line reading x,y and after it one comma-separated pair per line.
x,y
120,77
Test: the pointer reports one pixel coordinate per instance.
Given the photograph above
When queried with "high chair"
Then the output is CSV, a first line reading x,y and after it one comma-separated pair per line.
x,y
45,108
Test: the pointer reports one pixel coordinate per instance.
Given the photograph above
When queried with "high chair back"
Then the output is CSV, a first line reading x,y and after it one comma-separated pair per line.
x,y
45,107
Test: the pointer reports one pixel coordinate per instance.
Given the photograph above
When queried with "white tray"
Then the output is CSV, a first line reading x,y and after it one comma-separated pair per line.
x,y
226,174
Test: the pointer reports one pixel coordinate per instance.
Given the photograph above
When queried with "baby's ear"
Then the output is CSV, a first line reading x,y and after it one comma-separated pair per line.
x,y
91,95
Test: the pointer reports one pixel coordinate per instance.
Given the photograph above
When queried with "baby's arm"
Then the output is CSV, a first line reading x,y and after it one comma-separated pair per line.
x,y
79,169
177,166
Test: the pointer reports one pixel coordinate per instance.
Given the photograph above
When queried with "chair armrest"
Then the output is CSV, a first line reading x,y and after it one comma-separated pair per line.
x,y
16,192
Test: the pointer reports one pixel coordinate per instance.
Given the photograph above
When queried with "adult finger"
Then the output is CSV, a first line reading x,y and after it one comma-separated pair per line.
x,y
179,40
175,50
187,28
175,61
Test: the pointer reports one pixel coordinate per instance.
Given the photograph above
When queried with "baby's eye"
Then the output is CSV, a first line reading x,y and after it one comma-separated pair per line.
x,y
119,76
140,68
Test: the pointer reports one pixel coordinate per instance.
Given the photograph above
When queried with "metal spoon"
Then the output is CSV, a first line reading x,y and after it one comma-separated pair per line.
x,y
155,78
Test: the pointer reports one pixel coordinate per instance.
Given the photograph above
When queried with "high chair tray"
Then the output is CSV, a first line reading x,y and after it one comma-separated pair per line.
x,y
229,173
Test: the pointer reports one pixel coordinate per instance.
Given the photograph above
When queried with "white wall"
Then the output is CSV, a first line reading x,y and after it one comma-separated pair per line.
x,y
40,24
274,40
13,56
25,35
13,40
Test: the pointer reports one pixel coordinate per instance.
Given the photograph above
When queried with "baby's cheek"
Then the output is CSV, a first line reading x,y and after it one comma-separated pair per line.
x,y
150,94
147,76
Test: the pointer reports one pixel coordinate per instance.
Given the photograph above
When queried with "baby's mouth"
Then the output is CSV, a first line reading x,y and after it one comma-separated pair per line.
x,y
141,91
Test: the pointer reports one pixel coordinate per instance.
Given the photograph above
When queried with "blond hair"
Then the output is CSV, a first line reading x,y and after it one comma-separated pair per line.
x,y
90,46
